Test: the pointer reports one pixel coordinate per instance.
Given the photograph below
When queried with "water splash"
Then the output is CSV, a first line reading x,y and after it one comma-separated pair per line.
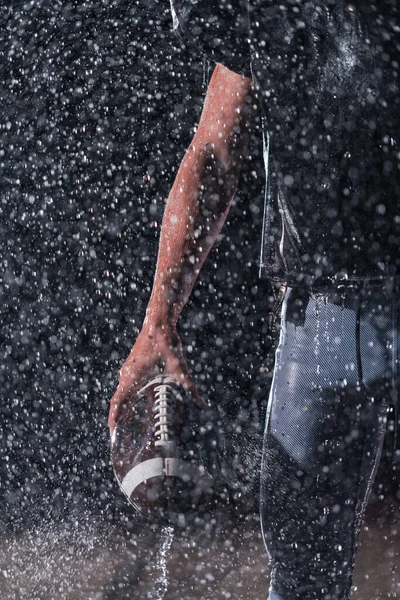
x,y
57,558
161,583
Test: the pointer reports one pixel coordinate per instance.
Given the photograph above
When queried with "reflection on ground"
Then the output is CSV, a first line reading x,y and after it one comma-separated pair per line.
x,y
85,559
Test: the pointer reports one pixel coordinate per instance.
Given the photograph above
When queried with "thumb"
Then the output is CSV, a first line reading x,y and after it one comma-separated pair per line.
x,y
116,403
189,385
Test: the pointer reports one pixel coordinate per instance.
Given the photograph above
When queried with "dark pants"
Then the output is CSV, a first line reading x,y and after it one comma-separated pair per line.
x,y
335,375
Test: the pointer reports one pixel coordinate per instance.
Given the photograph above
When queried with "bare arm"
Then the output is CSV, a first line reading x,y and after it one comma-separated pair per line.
x,y
197,207
202,192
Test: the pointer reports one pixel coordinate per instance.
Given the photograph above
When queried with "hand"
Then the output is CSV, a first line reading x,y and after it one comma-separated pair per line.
x,y
156,351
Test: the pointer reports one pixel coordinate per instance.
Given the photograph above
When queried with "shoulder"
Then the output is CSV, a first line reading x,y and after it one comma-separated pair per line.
x,y
216,28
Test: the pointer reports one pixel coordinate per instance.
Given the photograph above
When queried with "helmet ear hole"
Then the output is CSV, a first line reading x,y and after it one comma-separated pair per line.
x,y
165,454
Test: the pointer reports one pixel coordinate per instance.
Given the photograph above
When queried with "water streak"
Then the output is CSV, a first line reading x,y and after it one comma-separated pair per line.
x,y
161,583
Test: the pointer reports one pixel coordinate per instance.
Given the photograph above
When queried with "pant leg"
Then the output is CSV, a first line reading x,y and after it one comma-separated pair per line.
x,y
322,443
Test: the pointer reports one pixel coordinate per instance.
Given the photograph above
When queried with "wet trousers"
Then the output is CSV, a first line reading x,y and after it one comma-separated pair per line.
x,y
335,375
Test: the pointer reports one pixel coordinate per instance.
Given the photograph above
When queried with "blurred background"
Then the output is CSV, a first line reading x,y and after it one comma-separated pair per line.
x,y
98,102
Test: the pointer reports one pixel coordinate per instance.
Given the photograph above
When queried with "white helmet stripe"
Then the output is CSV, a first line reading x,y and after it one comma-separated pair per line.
x,y
156,467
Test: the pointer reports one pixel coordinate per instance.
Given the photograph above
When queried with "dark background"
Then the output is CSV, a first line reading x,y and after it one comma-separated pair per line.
x,y
98,102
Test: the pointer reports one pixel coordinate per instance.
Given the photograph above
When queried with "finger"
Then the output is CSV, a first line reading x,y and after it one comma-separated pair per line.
x,y
112,416
188,384
117,402
126,388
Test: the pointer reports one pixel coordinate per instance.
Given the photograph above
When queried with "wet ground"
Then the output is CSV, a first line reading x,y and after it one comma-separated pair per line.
x,y
86,559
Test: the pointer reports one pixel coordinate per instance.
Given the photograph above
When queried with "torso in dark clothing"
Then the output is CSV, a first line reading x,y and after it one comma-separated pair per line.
x,y
328,78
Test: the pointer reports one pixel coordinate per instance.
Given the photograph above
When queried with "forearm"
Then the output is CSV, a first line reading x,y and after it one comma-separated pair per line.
x,y
195,212
198,205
